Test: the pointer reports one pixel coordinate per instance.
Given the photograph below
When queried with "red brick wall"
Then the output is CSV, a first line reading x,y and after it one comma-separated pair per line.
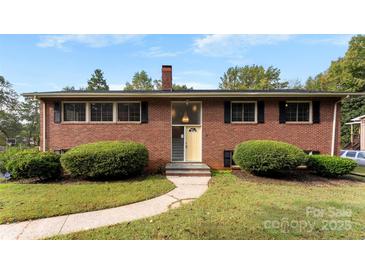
x,y
217,136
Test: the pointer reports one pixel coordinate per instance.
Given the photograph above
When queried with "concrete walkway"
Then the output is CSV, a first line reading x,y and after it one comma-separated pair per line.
x,y
187,189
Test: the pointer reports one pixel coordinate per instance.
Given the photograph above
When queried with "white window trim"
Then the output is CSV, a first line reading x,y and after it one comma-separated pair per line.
x,y
310,113
244,122
88,113
74,102
128,122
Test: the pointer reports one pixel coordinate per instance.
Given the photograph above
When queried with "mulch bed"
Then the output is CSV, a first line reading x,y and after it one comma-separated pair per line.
x,y
302,177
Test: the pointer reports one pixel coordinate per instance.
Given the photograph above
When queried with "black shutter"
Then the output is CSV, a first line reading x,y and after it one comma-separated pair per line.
x,y
260,111
57,112
227,157
316,112
227,112
144,114
282,112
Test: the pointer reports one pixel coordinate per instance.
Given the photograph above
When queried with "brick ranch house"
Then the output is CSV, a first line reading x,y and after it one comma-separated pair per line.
x,y
193,125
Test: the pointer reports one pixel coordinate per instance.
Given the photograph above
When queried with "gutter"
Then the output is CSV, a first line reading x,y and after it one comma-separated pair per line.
x,y
334,123
40,95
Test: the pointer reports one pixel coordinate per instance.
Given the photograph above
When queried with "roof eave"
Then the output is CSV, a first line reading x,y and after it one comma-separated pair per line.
x,y
44,95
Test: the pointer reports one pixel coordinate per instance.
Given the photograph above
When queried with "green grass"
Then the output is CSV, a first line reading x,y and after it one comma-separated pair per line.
x,y
235,208
19,202
359,169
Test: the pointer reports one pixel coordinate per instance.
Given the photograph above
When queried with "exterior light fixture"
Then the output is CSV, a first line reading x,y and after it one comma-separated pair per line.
x,y
185,119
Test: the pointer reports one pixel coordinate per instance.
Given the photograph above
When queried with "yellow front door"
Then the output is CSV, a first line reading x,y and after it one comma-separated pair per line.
x,y
193,144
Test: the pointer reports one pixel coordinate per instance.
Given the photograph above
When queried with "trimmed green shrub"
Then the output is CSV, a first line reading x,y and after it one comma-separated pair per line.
x,y
264,157
6,156
109,159
31,163
331,166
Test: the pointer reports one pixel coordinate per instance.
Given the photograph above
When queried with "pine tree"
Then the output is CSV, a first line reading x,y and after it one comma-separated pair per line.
x,y
97,82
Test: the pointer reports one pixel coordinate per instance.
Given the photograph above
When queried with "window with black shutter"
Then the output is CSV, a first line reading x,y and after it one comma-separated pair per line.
x,y
242,112
316,112
57,112
144,110
297,111
227,112
261,112
282,112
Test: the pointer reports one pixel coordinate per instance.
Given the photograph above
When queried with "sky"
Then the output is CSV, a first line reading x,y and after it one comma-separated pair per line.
x,y
51,62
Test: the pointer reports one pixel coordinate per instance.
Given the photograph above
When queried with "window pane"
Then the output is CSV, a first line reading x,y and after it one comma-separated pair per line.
x,y
249,112
134,112
107,112
129,112
361,155
95,112
237,112
297,112
186,113
74,112
101,112
123,112
303,112
291,112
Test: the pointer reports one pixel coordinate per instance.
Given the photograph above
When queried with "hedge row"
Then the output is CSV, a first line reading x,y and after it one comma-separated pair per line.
x,y
115,159
263,157
31,163
109,159
97,160
330,166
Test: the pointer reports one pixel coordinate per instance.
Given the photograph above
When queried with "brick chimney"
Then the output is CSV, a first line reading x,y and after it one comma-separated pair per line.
x,y
166,77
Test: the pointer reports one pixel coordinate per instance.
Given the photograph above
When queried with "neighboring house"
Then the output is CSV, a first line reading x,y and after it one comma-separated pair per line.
x,y
193,125
357,139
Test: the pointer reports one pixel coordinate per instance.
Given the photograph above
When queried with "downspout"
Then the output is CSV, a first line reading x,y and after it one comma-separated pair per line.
x,y
44,126
334,128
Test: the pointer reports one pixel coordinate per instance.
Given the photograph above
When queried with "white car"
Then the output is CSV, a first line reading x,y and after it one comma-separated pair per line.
x,y
356,155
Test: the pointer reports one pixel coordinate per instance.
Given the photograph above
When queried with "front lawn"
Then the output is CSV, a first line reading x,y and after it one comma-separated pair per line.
x,y
19,202
249,207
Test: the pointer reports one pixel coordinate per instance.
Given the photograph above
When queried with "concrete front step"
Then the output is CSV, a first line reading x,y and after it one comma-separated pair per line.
x,y
187,169
187,173
174,166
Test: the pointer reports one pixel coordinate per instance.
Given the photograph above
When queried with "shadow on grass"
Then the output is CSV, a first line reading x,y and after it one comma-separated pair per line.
x,y
67,179
304,177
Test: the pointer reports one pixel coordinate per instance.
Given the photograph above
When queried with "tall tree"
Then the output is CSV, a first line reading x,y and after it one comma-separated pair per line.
x,y
140,81
29,114
346,74
252,77
97,81
8,96
10,125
